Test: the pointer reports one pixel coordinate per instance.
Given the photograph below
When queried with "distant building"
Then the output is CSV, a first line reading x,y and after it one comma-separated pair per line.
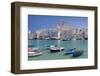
x,y
30,35
61,31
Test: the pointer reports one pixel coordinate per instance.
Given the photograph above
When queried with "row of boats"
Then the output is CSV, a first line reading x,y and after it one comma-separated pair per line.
x,y
73,52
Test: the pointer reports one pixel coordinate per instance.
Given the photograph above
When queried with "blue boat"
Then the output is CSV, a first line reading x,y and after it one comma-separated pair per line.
x,y
77,53
70,51
73,52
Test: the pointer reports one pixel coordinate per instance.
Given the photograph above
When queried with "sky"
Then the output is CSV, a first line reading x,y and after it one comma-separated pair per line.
x,y
37,22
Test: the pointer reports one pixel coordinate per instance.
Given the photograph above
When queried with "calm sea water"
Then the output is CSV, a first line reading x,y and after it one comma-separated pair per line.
x,y
42,44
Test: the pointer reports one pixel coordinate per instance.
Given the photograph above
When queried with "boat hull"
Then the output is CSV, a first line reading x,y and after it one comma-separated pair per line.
x,y
53,51
34,54
75,53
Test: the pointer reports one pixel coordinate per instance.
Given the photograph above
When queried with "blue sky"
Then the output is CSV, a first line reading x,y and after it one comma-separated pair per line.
x,y
37,22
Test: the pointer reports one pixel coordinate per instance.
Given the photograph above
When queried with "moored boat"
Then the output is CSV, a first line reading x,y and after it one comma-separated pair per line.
x,y
55,46
74,52
56,49
77,53
34,52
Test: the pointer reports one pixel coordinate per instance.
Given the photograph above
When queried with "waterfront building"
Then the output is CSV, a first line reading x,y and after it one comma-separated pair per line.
x,y
62,31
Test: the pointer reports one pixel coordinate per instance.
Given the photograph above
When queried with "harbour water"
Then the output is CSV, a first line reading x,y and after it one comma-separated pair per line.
x,y
47,55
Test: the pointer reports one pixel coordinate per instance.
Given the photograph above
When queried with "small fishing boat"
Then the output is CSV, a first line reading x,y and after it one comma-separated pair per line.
x,y
77,53
34,52
55,48
74,53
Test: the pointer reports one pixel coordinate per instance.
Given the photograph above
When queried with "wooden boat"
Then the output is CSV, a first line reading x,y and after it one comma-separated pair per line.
x,y
74,53
34,52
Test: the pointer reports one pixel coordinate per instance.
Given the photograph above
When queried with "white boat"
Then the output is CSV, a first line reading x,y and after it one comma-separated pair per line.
x,y
34,52
53,48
